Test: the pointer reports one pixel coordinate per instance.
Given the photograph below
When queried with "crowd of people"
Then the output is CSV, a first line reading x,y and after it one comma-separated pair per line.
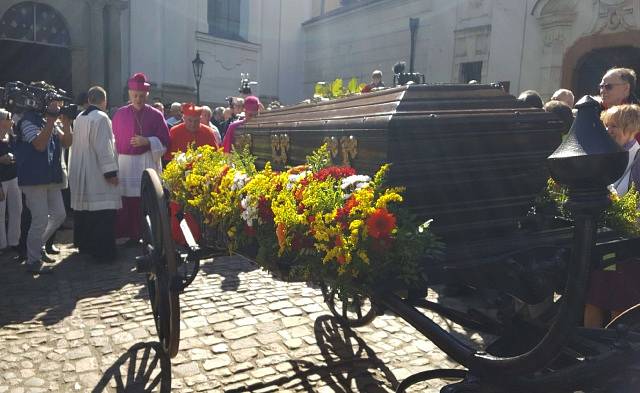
x,y
107,156
99,161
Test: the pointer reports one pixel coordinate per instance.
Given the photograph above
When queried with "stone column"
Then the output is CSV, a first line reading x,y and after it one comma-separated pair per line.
x,y
555,29
114,51
96,42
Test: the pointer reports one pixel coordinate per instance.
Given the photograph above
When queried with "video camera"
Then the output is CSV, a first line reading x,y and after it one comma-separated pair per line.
x,y
245,84
18,97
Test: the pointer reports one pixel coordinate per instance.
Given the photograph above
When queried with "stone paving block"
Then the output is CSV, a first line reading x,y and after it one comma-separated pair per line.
x,y
258,333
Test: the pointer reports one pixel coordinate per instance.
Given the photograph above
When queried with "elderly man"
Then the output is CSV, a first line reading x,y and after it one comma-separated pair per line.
x,y
93,179
175,116
189,133
564,95
205,119
142,138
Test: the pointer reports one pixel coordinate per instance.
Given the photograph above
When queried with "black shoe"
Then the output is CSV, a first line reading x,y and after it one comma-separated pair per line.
x,y
52,249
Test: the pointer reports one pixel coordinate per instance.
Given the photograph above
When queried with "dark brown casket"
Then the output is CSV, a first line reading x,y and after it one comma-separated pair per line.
x,y
470,156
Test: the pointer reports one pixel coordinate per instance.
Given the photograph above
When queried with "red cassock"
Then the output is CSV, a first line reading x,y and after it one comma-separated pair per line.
x,y
180,139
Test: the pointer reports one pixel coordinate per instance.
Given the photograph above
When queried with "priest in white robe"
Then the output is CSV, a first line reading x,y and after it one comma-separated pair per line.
x,y
93,180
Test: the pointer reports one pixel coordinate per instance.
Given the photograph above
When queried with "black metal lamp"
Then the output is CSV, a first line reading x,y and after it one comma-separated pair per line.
x,y
588,159
198,64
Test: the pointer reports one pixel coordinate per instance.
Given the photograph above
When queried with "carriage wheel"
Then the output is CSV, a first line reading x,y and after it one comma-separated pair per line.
x,y
159,250
353,311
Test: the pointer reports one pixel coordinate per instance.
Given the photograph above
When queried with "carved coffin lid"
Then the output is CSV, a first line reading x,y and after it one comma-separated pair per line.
x,y
471,156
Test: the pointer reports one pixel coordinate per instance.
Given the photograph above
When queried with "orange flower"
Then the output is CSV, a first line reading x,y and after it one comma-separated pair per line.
x,y
380,224
281,235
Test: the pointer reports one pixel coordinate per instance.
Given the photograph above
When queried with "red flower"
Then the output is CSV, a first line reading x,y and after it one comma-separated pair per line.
x,y
342,214
341,259
264,210
300,242
337,172
380,224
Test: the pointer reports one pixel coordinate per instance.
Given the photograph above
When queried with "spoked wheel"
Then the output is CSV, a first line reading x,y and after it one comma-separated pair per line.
x,y
159,261
353,311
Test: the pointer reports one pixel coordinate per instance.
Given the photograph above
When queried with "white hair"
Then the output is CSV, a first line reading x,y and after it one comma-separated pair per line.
x,y
206,108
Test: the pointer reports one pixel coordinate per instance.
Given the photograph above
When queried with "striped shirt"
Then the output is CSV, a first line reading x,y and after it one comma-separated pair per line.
x,y
30,131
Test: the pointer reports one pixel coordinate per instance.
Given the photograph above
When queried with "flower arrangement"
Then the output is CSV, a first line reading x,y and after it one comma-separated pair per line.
x,y
314,222
622,214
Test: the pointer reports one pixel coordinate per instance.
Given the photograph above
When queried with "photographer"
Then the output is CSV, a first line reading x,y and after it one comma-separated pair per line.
x,y
41,176
11,195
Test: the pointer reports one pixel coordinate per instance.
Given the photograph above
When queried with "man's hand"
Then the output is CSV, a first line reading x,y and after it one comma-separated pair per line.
x,y
112,180
139,141
66,122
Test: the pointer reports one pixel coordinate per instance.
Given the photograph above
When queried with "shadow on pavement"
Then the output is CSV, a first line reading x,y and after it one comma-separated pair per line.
x,y
229,268
143,368
349,364
49,298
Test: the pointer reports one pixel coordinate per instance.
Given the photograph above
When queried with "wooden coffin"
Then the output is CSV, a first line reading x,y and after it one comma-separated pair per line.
x,y
470,156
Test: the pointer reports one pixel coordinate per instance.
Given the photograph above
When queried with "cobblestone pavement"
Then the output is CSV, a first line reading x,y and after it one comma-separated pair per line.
x,y
88,327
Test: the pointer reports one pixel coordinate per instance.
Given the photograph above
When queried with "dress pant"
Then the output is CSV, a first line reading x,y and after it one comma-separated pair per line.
x,y
11,206
47,214
94,233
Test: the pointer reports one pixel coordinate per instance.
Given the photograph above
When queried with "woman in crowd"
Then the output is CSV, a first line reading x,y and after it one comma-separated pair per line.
x,y
11,200
615,289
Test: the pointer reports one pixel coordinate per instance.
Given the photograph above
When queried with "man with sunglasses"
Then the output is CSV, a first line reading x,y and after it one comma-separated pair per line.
x,y
617,87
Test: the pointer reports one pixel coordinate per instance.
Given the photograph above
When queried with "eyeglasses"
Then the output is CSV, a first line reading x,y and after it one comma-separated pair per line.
x,y
609,86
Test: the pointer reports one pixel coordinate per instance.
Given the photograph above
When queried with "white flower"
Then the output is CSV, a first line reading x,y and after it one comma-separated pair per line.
x,y
355,179
239,181
181,158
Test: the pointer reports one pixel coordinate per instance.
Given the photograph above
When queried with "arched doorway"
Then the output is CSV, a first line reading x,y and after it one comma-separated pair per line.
x,y
35,45
593,65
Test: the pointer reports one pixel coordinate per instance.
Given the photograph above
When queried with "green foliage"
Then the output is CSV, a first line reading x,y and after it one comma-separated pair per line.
x,y
352,88
319,159
244,161
623,214
337,89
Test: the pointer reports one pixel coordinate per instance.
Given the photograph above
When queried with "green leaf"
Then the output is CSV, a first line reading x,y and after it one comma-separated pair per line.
x,y
319,89
336,88
353,86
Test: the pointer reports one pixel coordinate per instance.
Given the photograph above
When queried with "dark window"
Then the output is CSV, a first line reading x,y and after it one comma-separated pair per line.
x,y
34,22
224,18
470,71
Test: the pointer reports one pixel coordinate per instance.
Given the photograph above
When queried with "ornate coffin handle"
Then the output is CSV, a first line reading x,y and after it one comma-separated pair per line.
x,y
279,149
243,141
332,145
349,146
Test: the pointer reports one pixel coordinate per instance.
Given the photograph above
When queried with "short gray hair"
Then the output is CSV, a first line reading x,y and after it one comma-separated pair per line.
x,y
96,95
219,110
205,108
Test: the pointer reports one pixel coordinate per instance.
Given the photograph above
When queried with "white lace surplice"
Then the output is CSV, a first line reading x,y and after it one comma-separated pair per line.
x,y
132,166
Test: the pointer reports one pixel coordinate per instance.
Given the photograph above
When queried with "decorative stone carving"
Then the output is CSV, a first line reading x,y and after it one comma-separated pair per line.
x,y
279,149
612,16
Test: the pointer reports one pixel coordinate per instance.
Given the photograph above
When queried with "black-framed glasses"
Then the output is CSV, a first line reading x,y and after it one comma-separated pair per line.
x,y
609,86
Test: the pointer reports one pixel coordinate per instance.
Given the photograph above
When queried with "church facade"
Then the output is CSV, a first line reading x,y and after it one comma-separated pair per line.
x,y
529,44
289,45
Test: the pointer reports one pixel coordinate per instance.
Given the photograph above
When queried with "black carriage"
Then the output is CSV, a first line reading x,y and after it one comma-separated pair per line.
x,y
474,159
